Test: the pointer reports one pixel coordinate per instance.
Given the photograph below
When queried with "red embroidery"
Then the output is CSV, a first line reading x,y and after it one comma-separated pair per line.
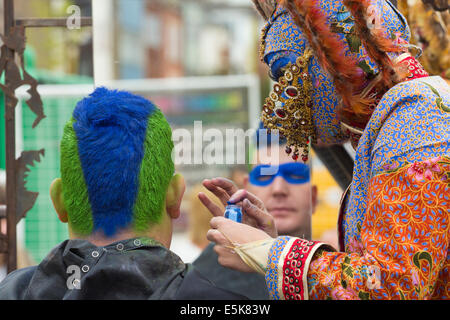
x,y
294,268
414,67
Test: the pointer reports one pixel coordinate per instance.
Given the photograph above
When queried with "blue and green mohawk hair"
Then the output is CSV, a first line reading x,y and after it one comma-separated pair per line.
x,y
116,163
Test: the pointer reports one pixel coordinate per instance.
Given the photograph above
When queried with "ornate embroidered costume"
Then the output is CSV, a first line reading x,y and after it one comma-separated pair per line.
x,y
394,221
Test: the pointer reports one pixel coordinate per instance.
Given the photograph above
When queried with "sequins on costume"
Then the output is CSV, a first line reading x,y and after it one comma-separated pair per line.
x,y
395,222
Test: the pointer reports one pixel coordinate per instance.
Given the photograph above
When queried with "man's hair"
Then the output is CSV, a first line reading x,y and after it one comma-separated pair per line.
x,y
116,163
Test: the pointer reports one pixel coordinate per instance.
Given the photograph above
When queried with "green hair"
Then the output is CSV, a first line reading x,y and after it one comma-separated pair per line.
x,y
155,173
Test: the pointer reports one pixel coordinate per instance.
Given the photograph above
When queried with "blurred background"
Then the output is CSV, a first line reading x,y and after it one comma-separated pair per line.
x,y
196,59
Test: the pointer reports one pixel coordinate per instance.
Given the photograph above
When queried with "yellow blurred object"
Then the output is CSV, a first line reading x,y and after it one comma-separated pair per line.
x,y
430,31
199,216
325,217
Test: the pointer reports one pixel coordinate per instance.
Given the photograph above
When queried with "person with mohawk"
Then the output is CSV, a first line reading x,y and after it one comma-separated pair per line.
x,y
118,193
344,71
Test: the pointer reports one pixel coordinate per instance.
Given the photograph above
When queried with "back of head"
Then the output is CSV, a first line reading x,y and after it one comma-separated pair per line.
x,y
116,163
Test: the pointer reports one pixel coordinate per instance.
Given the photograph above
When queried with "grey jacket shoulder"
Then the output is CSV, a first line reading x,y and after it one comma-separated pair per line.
x,y
136,271
15,285
250,285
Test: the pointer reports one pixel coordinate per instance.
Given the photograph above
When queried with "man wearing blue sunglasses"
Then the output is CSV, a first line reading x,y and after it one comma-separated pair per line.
x,y
287,194
280,183
284,186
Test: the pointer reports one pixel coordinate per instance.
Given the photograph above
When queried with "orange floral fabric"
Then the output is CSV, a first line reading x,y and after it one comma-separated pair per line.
x,y
404,251
404,247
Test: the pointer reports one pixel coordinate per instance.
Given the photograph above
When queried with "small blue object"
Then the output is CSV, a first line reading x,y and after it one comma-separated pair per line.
x,y
233,212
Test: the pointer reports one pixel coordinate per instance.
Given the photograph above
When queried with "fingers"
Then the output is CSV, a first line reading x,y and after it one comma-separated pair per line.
x,y
211,206
242,194
256,201
213,234
238,196
217,222
227,256
253,211
216,237
263,219
256,214
230,259
223,251
220,193
226,228
226,184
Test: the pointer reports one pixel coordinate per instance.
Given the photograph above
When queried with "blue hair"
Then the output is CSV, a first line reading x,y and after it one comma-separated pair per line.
x,y
110,128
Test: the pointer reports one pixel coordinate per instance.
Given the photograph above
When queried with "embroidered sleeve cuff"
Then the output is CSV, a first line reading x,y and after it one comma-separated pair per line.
x,y
287,268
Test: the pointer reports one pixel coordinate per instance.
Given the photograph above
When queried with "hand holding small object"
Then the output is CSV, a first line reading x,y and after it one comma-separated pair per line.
x,y
233,239
254,211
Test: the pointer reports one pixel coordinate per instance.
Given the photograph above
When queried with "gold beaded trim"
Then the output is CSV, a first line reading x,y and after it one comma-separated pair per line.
x,y
289,108
262,41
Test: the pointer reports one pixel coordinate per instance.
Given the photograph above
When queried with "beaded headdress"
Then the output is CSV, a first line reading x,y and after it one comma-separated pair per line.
x,y
289,108
283,41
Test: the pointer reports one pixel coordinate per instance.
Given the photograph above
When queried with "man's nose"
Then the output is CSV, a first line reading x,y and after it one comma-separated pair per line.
x,y
279,187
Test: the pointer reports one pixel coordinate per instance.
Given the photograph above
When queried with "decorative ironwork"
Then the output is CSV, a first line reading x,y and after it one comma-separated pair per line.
x,y
15,41
19,200
25,198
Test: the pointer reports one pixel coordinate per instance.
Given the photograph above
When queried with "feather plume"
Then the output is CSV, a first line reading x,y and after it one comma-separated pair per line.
x,y
265,8
375,40
330,51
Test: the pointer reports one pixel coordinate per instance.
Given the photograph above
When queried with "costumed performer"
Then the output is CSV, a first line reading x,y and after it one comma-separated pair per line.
x,y
344,71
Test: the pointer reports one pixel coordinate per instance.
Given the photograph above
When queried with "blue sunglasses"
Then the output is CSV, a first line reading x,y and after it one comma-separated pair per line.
x,y
292,172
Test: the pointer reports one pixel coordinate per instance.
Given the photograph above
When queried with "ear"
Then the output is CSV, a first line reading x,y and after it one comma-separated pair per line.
x,y
56,195
174,195
314,198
